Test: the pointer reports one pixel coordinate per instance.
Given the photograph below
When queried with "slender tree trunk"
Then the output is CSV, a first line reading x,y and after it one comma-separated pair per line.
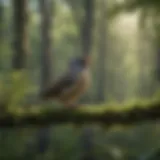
x,y
145,57
102,54
20,33
158,65
3,133
46,9
87,26
1,22
46,43
157,44
42,135
20,36
1,30
141,56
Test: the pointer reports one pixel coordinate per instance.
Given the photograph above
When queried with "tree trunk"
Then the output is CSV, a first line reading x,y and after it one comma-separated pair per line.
x,y
46,47
2,20
20,33
141,55
145,82
87,27
102,54
157,45
1,31
42,135
46,9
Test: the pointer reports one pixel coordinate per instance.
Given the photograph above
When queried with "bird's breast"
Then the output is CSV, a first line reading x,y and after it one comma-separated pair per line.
x,y
81,85
85,78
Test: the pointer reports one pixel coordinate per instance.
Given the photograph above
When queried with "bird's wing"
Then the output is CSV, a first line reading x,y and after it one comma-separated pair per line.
x,y
58,87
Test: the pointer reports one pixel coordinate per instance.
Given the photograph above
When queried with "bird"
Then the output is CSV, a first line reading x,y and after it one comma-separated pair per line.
x,y
72,84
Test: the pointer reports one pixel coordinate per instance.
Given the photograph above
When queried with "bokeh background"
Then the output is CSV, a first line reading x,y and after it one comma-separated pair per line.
x,y
37,40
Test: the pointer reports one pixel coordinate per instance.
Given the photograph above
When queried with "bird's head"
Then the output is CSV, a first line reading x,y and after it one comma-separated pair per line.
x,y
81,62
77,65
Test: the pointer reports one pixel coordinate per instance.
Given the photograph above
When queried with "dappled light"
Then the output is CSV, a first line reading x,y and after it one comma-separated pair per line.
x,y
79,80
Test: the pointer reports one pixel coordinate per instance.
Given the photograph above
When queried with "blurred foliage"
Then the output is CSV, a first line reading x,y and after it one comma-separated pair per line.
x,y
126,41
15,87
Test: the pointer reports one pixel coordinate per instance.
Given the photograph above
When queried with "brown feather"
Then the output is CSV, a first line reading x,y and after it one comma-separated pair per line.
x,y
72,93
71,86
58,87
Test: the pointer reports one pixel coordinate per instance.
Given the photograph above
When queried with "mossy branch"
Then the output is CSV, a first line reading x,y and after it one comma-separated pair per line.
x,y
36,116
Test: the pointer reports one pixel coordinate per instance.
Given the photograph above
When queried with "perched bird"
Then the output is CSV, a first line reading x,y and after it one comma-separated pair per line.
x,y
68,88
